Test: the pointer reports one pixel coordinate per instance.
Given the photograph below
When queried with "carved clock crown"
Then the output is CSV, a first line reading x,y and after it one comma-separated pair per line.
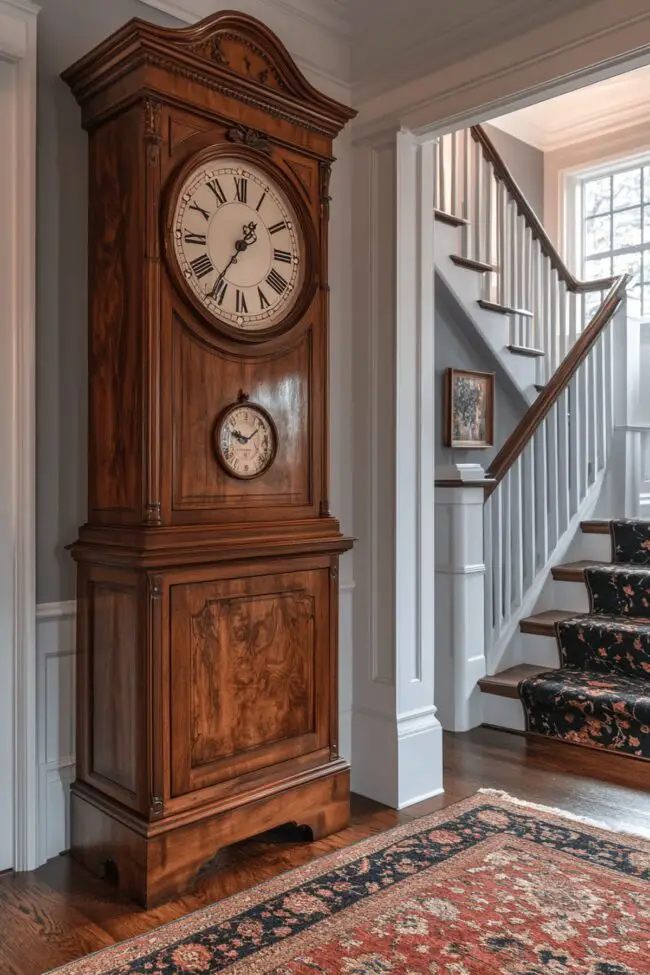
x,y
229,52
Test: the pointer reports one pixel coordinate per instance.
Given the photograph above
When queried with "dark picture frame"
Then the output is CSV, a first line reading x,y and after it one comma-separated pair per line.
x,y
469,409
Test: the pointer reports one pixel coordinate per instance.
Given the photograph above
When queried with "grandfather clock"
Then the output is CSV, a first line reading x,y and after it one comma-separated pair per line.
x,y
208,568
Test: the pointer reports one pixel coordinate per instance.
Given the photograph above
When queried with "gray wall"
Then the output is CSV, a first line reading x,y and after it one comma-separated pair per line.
x,y
67,29
525,162
456,346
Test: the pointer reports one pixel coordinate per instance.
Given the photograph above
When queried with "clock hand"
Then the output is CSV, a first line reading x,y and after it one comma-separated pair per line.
x,y
240,436
249,237
256,430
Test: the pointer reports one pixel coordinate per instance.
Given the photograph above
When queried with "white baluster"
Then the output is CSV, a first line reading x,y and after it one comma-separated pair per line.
x,y
479,202
488,556
541,492
563,463
467,191
497,520
502,242
553,487
529,501
575,494
517,533
455,207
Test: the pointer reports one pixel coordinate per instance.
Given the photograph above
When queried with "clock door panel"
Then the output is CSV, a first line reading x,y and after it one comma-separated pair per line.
x,y
206,381
249,671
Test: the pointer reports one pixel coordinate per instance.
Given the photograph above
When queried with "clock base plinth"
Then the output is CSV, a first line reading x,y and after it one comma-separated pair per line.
x,y
153,862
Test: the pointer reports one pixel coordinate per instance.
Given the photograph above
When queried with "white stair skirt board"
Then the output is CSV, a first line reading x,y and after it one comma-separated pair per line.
x,y
494,330
503,712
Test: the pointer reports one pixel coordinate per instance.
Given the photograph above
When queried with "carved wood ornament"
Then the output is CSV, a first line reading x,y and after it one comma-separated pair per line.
x,y
208,567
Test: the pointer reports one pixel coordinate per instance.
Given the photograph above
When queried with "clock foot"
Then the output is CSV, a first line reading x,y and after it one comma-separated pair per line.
x,y
152,862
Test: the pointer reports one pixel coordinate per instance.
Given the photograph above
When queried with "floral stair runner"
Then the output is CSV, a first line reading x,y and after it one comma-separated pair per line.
x,y
600,695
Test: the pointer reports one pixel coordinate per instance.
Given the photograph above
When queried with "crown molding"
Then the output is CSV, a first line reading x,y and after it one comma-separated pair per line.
x,y
609,107
330,15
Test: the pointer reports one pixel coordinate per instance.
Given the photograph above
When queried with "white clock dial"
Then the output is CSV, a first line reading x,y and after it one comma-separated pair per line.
x,y
238,244
246,440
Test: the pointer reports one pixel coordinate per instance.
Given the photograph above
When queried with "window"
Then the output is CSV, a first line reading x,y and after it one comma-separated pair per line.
x,y
613,209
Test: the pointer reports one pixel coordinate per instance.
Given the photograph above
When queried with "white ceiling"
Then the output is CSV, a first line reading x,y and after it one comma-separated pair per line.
x,y
583,114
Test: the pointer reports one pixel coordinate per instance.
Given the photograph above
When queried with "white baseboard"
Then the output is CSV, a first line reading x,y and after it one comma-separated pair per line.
x,y
55,694
396,762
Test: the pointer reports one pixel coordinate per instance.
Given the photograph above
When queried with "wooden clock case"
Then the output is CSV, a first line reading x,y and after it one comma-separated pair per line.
x,y
207,605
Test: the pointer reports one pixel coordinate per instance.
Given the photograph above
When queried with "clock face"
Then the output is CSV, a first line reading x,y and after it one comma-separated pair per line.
x,y
238,243
246,440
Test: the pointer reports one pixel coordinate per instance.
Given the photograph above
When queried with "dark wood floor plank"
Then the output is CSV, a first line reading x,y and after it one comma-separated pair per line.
x,y
59,912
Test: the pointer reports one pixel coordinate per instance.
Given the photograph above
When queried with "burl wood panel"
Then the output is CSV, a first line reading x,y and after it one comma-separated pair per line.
x,y
206,380
115,294
114,684
251,648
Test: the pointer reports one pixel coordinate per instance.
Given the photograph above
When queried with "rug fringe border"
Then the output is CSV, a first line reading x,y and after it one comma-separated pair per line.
x,y
563,813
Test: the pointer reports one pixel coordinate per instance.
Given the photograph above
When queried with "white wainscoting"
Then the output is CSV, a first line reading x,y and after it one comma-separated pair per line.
x,y
55,689
55,694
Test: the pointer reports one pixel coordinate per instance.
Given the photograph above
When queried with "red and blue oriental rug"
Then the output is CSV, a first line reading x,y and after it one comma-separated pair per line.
x,y
488,886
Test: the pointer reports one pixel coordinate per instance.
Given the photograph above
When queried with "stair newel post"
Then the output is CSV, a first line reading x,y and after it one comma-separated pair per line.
x,y
460,585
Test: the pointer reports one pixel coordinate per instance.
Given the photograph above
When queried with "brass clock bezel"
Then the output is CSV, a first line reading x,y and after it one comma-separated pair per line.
x,y
305,229
216,438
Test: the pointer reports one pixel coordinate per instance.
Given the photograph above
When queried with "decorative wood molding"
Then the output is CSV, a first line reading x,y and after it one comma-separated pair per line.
x,y
241,135
18,46
530,422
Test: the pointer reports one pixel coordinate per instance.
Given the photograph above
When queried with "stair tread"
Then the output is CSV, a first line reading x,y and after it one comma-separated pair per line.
x,y
544,623
506,683
526,350
627,686
632,624
504,309
595,526
574,571
450,218
471,264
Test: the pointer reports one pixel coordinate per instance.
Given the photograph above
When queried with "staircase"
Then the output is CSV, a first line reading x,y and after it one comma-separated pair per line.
x,y
599,695
566,648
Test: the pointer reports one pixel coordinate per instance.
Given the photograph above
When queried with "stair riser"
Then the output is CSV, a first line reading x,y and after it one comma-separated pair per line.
x,y
570,596
503,712
596,547
541,650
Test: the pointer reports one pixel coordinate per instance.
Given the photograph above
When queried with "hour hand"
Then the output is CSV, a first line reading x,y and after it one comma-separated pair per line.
x,y
240,436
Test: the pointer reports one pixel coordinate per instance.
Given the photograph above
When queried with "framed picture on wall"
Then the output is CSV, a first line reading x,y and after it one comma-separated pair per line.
x,y
469,408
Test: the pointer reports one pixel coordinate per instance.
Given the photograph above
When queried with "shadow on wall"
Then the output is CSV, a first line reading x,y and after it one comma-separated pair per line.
x,y
67,30
458,348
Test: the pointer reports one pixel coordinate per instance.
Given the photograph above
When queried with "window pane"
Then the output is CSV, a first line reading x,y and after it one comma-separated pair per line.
x,y
627,189
646,183
646,267
646,225
626,229
598,267
597,196
597,235
628,264
593,302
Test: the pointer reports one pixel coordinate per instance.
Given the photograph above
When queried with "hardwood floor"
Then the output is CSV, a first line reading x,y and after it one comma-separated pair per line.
x,y
59,912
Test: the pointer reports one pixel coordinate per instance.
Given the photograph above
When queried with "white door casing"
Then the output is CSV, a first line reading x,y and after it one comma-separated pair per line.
x,y
18,771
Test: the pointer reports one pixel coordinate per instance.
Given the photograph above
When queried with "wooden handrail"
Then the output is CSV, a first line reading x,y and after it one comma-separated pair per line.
x,y
502,173
533,418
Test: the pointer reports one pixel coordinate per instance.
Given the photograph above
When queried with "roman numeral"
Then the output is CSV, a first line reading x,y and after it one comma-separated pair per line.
x,y
202,265
195,206
277,227
276,281
240,302
192,238
217,189
241,189
261,201
220,291
283,256
264,301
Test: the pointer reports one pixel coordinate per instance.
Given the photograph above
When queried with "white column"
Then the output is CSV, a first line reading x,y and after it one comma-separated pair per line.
x,y
396,736
18,767
459,595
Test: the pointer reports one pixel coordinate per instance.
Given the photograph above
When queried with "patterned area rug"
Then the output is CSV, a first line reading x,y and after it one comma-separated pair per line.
x,y
600,694
488,886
